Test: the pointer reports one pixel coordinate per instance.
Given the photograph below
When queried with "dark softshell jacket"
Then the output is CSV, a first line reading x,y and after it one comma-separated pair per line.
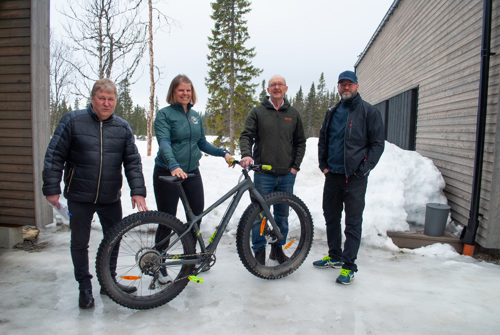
x,y
364,138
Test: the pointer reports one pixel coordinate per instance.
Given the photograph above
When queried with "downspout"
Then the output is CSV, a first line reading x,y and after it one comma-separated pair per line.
x,y
468,235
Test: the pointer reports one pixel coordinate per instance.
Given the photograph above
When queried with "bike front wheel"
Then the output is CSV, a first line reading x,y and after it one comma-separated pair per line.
x,y
298,242
131,247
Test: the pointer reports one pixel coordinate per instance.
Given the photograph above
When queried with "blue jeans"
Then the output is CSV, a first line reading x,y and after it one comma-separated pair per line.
x,y
267,183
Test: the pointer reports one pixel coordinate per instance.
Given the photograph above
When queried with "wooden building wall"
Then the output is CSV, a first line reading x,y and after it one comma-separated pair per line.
x,y
436,46
24,110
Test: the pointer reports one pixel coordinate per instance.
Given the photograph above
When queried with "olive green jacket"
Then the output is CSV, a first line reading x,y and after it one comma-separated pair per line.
x,y
276,137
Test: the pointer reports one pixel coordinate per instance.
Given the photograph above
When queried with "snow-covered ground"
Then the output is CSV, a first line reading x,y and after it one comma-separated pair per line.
x,y
431,290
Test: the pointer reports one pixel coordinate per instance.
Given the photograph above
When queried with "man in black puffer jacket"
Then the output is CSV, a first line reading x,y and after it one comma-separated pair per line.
x,y
91,145
351,141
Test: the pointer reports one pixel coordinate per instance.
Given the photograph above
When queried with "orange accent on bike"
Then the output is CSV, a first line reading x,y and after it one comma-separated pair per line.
x,y
262,226
130,277
289,244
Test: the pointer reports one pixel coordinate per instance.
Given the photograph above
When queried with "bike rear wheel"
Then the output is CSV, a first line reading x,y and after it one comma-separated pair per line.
x,y
298,242
138,258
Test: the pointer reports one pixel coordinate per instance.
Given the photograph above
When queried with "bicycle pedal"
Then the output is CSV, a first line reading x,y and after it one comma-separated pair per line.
x,y
196,279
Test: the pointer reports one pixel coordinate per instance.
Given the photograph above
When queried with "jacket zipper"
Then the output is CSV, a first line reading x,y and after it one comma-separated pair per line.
x,y
189,144
72,171
277,136
100,165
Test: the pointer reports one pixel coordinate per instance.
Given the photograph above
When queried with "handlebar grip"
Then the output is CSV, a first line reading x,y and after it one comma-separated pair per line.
x,y
266,167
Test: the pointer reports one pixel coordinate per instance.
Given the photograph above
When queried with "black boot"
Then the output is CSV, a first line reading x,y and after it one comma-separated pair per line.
x,y
86,299
124,288
260,256
277,254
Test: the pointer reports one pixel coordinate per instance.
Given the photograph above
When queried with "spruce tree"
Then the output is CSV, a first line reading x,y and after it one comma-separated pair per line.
x,y
298,103
124,104
310,107
321,105
231,72
138,121
263,93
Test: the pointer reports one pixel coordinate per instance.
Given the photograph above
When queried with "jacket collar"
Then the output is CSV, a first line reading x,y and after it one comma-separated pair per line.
x,y
180,108
94,115
269,104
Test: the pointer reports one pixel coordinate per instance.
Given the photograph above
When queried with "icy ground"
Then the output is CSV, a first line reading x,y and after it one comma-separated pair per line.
x,y
431,290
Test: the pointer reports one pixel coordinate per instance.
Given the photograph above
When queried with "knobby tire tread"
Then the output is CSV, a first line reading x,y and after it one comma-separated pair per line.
x,y
119,230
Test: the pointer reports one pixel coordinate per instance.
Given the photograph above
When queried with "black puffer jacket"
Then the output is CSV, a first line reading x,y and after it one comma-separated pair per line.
x,y
91,154
364,138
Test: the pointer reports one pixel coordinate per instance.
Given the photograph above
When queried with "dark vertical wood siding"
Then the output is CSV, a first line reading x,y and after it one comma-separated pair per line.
x,y
16,162
24,108
401,119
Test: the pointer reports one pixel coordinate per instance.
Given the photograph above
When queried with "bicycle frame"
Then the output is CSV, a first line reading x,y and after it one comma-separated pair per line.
x,y
237,191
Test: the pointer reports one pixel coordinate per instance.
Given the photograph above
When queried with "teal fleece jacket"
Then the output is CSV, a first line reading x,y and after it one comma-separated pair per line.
x,y
180,138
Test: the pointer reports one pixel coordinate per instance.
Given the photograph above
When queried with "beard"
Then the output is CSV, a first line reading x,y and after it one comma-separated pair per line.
x,y
346,95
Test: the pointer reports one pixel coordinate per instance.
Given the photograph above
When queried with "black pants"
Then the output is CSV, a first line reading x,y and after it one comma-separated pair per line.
x,y
80,224
338,193
167,197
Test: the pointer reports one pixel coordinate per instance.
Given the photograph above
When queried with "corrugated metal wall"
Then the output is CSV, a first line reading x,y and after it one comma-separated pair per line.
x,y
436,46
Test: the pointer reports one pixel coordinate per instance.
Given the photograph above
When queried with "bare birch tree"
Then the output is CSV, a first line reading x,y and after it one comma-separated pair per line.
x,y
61,77
109,38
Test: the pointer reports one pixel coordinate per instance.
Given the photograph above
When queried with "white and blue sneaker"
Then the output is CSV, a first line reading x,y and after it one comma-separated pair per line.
x,y
164,278
345,277
328,262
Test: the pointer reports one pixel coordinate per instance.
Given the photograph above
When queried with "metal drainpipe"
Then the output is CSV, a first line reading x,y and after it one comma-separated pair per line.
x,y
468,235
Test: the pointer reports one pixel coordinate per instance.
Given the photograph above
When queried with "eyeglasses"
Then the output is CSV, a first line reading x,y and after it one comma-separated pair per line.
x,y
277,85
344,85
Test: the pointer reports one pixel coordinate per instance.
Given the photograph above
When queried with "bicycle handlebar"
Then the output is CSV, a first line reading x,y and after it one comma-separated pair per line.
x,y
254,167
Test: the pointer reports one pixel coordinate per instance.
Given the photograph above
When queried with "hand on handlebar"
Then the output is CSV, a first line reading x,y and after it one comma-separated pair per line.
x,y
229,160
246,161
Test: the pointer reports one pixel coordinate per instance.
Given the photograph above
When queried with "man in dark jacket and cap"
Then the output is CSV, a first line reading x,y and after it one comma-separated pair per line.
x,y
273,135
351,141
91,145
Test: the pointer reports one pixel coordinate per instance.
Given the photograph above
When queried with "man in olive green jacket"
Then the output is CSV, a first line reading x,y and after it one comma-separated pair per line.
x,y
273,135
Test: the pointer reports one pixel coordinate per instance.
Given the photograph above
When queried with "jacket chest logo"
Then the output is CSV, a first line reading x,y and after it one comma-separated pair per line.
x,y
194,119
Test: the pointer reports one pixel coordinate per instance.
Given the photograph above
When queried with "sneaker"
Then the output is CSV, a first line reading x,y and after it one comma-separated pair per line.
x,y
328,262
260,256
345,277
164,278
277,254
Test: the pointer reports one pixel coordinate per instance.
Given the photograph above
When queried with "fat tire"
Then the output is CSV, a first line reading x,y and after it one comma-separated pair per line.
x,y
129,233
273,270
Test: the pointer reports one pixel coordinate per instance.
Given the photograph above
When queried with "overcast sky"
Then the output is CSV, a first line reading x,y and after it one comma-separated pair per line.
x,y
295,38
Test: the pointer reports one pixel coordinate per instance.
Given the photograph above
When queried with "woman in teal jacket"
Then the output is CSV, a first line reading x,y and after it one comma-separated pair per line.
x,y
180,135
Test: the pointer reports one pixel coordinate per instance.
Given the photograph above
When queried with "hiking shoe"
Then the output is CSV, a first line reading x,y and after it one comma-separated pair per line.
x,y
164,278
328,262
345,277
260,256
277,254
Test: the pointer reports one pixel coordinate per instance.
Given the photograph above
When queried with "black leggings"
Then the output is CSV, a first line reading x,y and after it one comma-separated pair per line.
x,y
167,197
